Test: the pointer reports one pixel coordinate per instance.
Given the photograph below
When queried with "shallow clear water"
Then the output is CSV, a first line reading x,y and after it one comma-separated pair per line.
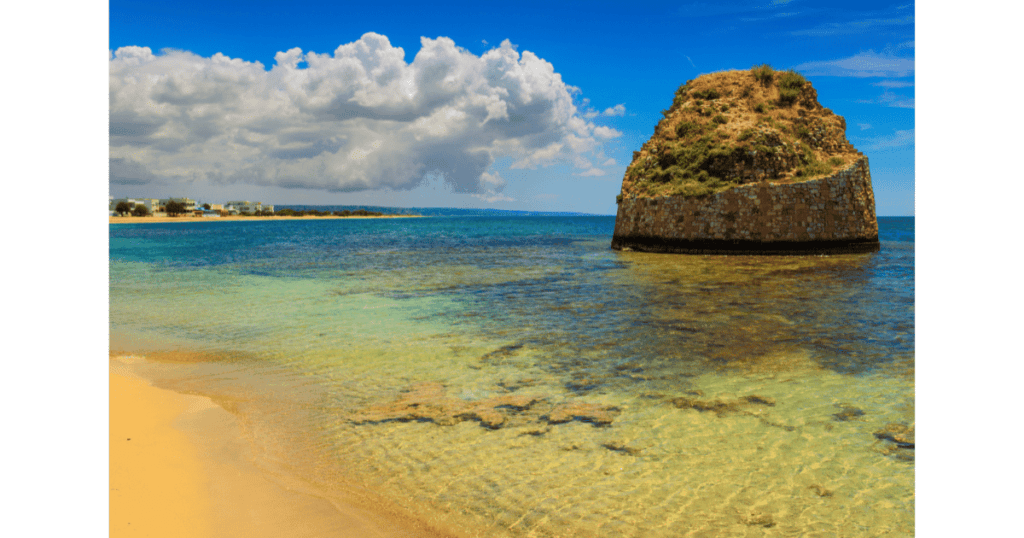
x,y
745,394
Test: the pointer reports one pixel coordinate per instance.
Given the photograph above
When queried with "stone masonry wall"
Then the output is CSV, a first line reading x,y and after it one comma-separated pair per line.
x,y
829,215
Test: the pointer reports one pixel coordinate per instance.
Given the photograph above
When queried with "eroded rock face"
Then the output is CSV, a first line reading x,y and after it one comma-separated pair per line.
x,y
830,215
429,402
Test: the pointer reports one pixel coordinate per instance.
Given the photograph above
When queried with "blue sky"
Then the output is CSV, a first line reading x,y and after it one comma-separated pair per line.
x,y
590,80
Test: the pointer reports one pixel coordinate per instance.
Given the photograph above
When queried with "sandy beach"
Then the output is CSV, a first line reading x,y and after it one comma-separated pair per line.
x,y
181,466
155,220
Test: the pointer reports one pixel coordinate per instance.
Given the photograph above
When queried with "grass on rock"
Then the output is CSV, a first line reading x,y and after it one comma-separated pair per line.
x,y
724,129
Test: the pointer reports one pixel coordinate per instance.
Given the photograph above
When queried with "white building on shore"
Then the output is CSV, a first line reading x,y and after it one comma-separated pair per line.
x,y
245,206
155,206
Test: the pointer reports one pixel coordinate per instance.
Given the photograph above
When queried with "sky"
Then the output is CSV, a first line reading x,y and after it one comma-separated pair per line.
x,y
531,106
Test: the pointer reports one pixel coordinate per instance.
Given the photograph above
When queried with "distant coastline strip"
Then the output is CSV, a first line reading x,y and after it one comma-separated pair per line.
x,y
164,220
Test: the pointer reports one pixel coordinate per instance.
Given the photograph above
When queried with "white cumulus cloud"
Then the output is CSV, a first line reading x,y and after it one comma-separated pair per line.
x,y
358,118
617,110
606,132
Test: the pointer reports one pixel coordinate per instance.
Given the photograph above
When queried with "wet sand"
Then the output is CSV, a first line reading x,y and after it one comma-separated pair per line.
x,y
181,466
153,220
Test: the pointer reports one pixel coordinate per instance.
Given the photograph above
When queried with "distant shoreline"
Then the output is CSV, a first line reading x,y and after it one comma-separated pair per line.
x,y
155,220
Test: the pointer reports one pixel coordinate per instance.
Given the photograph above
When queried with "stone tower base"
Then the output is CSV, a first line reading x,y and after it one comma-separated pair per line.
x,y
831,215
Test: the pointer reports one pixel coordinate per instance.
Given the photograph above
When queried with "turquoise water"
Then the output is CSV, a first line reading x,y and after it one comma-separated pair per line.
x,y
514,376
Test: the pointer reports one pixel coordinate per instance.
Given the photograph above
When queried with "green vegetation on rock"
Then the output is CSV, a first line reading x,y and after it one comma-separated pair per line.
x,y
734,127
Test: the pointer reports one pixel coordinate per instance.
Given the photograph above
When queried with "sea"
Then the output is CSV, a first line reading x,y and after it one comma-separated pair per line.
x,y
512,375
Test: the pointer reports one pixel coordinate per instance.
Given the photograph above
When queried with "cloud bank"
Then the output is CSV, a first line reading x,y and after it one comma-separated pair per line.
x,y
359,119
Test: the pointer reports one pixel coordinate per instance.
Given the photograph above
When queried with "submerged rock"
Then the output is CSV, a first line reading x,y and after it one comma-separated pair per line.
x,y
847,412
619,446
900,434
759,519
759,400
897,440
516,384
721,407
820,490
751,405
583,384
502,352
428,402
599,415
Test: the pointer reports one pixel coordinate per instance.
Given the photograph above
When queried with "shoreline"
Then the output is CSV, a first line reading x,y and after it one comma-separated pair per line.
x,y
155,220
180,465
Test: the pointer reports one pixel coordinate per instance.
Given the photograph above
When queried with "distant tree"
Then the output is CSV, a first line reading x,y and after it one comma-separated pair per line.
x,y
140,211
122,208
174,208
206,207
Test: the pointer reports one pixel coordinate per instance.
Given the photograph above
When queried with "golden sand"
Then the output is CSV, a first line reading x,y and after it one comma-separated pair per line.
x,y
157,486
180,466
151,220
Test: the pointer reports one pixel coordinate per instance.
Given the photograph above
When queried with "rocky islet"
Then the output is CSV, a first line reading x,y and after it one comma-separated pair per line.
x,y
747,162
